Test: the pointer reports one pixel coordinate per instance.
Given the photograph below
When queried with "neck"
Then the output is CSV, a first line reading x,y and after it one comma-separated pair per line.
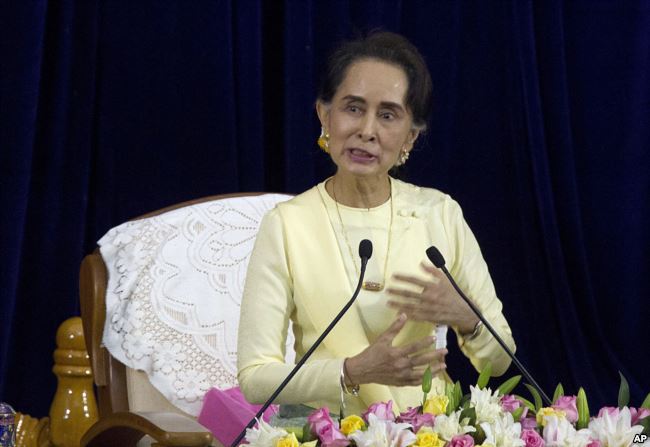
x,y
359,192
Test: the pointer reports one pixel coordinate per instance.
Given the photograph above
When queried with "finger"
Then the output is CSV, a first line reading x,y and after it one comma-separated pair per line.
x,y
411,280
405,293
417,346
428,359
405,370
431,358
392,331
415,378
407,308
417,312
435,369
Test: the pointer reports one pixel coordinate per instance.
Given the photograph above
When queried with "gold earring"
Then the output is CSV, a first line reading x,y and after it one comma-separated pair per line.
x,y
324,140
403,156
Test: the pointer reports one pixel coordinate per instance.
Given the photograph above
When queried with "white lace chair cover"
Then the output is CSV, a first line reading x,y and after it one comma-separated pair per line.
x,y
175,283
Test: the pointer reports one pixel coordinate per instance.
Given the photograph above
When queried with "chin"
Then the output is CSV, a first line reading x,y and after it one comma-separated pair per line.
x,y
363,171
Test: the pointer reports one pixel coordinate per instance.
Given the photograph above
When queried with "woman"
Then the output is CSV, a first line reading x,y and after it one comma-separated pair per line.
x,y
372,106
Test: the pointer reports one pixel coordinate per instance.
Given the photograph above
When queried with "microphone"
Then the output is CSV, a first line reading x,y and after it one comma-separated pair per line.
x,y
438,260
365,252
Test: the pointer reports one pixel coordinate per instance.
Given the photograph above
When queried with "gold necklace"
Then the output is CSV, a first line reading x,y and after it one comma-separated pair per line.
x,y
370,286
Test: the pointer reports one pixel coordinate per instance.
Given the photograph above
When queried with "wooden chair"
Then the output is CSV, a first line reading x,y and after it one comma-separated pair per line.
x,y
118,424
73,408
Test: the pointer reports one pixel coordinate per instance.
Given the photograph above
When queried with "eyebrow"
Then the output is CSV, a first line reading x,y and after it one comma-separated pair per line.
x,y
387,104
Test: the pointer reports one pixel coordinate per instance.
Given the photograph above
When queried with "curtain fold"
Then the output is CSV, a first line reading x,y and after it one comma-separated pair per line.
x,y
542,69
540,130
18,115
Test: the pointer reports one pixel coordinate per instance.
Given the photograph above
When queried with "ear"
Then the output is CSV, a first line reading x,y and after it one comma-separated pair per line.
x,y
410,139
323,112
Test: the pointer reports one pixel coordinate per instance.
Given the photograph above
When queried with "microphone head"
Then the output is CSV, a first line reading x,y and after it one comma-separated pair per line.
x,y
365,249
435,256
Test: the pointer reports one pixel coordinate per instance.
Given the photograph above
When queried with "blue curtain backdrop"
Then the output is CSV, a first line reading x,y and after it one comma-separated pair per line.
x,y
541,130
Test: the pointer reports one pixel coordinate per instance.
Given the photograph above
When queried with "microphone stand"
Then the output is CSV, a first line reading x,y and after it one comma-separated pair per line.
x,y
364,262
439,261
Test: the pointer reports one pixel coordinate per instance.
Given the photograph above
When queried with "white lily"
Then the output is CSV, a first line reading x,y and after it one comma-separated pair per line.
x,y
559,432
381,433
503,432
615,430
486,403
264,435
449,426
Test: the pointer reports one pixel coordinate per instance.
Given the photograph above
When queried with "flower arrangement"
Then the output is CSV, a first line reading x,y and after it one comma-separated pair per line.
x,y
480,418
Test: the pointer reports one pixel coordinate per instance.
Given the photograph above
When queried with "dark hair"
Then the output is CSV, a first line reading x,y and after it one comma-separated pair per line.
x,y
390,48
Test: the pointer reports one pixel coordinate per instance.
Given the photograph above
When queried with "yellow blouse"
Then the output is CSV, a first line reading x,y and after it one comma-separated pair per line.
x,y
301,269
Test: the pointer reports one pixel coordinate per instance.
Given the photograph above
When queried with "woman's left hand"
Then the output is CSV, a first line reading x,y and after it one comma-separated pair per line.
x,y
437,303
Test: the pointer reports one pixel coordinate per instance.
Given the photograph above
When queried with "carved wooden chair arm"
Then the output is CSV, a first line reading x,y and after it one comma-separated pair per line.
x,y
166,429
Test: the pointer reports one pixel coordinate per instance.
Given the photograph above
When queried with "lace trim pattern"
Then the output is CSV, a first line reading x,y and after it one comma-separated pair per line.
x,y
175,283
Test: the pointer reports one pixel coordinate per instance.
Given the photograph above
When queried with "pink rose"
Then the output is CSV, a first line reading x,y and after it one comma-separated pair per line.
x,y
330,436
532,438
612,411
383,411
639,414
528,423
509,403
594,443
461,441
319,419
416,419
423,420
322,425
568,405
410,413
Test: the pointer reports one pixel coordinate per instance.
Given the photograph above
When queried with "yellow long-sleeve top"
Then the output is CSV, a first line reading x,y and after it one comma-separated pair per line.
x,y
304,267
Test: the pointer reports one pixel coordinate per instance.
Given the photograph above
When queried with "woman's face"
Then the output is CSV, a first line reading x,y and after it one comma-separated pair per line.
x,y
367,119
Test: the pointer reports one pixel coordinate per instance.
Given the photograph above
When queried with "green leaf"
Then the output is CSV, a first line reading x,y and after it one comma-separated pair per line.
x,y
458,395
449,408
583,409
470,413
623,392
426,380
526,402
426,384
449,392
484,377
509,385
536,397
307,434
454,393
516,415
465,401
646,402
559,392
645,422
297,430
478,435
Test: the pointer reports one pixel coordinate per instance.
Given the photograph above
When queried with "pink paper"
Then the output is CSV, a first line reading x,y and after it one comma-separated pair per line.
x,y
226,412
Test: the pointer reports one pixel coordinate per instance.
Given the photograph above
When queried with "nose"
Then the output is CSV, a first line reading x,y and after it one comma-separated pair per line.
x,y
368,130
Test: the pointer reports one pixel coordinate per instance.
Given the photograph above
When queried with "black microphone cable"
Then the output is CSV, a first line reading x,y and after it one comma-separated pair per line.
x,y
365,252
439,261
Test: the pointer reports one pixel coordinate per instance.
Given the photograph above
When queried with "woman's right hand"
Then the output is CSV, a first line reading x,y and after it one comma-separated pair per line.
x,y
383,363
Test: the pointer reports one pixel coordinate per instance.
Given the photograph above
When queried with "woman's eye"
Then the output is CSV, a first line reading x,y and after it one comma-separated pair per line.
x,y
354,109
387,116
